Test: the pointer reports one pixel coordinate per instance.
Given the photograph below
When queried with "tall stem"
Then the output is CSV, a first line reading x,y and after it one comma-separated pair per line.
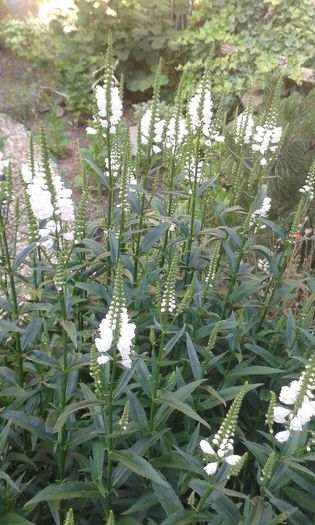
x,y
193,209
157,372
63,394
110,200
141,217
169,211
110,426
15,315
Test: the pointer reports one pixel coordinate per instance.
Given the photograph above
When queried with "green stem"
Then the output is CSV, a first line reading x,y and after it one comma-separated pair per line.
x,y
141,217
157,373
203,500
110,443
63,394
193,209
110,200
227,309
169,211
15,315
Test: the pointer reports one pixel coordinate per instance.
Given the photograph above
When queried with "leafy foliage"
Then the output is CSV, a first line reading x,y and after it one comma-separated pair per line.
x,y
249,40
176,238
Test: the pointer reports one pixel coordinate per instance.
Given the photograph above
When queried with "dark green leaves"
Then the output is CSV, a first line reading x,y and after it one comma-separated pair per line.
x,y
139,465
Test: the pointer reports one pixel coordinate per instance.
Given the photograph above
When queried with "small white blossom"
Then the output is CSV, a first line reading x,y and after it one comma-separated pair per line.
x,y
211,468
261,212
200,112
288,394
309,186
266,140
109,114
206,447
102,359
282,436
233,459
244,126
280,414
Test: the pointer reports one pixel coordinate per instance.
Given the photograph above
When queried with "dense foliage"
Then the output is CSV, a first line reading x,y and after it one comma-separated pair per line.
x,y
157,361
247,40
250,39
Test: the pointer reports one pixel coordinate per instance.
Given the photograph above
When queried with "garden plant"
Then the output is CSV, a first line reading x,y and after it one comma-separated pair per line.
x,y
157,339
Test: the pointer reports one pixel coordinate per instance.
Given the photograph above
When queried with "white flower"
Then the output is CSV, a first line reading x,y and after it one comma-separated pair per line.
x,y
41,199
266,138
103,345
145,125
263,265
91,131
296,424
206,447
306,412
125,341
175,132
233,459
102,359
200,111
279,414
288,394
68,236
244,127
282,436
262,211
211,468
109,112
309,186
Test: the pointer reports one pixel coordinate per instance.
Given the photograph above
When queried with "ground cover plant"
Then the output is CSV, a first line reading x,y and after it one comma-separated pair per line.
x,y
157,344
247,40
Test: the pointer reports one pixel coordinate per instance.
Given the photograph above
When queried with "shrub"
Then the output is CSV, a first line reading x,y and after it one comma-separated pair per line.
x,y
249,40
145,345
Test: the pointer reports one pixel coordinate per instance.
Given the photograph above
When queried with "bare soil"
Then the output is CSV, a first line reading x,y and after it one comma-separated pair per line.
x,y
24,89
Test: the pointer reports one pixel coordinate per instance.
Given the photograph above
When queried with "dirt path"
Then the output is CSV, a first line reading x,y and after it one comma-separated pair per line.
x,y
24,89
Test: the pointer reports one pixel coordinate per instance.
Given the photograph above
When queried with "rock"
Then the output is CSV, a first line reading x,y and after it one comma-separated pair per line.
x,y
257,98
227,49
308,76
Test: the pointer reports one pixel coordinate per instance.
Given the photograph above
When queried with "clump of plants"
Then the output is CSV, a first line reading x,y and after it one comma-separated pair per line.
x,y
249,40
157,339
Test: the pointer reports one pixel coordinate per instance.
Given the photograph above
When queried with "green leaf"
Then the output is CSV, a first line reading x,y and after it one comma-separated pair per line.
x,y
139,465
182,393
68,490
153,236
168,498
8,375
7,326
22,256
71,409
172,342
255,370
71,330
227,394
33,424
170,399
12,518
31,332
193,358
306,501
228,510
181,517
129,521
102,177
143,503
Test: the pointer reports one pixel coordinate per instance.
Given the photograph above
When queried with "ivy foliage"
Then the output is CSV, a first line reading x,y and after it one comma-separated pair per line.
x,y
250,39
